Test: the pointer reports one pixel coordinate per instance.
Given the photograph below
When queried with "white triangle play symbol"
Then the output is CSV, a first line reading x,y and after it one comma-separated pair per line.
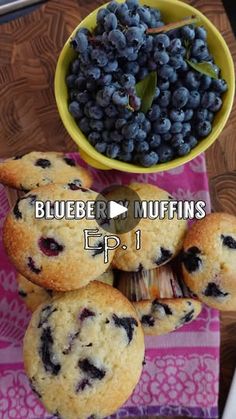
x,y
115,209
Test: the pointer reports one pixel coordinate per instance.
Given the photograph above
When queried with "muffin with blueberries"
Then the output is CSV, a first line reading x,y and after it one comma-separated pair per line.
x,y
161,300
51,252
209,260
37,168
83,352
106,102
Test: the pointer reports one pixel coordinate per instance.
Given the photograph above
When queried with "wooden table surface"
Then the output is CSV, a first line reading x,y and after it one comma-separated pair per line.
x,y
29,48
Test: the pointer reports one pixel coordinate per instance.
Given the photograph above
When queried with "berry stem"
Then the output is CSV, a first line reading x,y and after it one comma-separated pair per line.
x,y
174,25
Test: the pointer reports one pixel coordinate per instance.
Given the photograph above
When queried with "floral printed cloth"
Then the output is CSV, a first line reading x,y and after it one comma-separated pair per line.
x,y
181,375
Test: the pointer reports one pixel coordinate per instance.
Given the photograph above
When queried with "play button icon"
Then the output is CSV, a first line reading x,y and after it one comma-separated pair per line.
x,y
119,201
115,209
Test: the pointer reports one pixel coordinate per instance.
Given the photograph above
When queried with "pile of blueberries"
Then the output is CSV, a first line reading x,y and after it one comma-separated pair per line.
x,y
118,54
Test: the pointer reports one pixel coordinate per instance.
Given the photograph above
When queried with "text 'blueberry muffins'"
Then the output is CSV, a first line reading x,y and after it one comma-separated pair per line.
x,y
83,353
161,239
51,252
38,168
33,295
161,299
209,260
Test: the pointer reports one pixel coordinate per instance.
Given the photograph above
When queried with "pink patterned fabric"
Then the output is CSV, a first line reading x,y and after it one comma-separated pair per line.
x,y
181,375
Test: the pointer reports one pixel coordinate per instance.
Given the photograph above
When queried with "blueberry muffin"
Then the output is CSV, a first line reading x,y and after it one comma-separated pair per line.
x,y
209,260
161,316
161,239
162,301
83,352
33,295
37,169
51,252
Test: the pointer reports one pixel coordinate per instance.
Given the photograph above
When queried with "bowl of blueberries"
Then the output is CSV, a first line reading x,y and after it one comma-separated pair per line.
x,y
144,86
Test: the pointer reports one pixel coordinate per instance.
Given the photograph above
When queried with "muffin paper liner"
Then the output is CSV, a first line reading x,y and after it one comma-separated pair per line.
x,y
181,372
145,285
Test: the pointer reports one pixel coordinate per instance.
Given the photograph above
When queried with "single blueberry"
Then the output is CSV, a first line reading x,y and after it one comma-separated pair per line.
x,y
219,85
192,80
186,128
213,290
75,110
17,213
201,114
149,159
43,163
201,32
194,99
191,141
188,114
70,81
95,112
99,249
46,352
176,128
76,185
22,293
128,323
165,153
203,128
215,107
191,259
91,370
82,385
177,115
154,140
86,312
161,57
112,150
163,85
49,246
154,113
162,40
188,33
208,99
142,146
180,97
148,320
161,126
96,125
228,241
164,257
188,317
183,149
164,98
69,161
166,71
31,264
110,22
45,313
177,140
158,306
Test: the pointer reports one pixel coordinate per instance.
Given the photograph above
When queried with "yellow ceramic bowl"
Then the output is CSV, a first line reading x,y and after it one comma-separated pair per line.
x,y
172,10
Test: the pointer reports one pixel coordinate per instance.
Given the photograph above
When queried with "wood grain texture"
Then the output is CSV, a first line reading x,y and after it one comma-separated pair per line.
x,y
29,47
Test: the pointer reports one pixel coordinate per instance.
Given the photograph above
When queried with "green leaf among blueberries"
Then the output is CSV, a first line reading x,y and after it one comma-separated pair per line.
x,y
145,89
205,68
